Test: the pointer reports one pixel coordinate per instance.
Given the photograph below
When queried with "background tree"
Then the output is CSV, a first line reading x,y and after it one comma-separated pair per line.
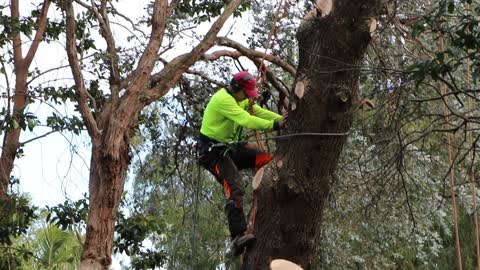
x,y
14,115
112,123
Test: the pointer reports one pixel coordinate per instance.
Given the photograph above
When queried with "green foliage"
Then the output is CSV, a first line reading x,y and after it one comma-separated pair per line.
x,y
57,122
69,214
44,248
461,33
26,25
28,243
16,217
132,231
205,10
448,256
23,120
54,249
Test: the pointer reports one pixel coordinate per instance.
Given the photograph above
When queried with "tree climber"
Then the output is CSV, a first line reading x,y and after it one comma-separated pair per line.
x,y
223,120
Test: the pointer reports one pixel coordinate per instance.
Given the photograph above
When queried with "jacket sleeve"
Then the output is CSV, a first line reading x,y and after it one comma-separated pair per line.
x,y
265,114
231,110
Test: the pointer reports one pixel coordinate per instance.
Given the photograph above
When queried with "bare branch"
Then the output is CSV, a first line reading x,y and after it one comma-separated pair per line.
x,y
205,77
168,77
216,55
223,41
80,88
199,73
45,72
17,42
147,61
39,137
106,33
132,24
83,5
7,81
128,106
42,23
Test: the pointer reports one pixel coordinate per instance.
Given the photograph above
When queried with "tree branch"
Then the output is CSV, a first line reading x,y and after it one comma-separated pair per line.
x,y
199,73
106,33
42,23
40,137
132,24
83,5
80,88
168,77
205,77
172,6
223,41
17,42
216,55
147,61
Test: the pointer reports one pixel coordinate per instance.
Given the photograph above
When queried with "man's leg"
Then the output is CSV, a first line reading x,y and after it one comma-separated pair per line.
x,y
234,191
250,157
229,177
226,173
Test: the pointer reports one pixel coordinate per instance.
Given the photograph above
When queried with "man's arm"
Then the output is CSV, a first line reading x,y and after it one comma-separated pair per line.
x,y
265,114
230,109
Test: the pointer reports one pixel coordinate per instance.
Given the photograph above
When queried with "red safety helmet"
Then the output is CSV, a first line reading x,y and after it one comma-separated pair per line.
x,y
246,82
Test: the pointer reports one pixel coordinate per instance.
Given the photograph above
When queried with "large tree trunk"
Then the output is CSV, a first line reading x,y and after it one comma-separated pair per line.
x,y
111,129
295,187
107,178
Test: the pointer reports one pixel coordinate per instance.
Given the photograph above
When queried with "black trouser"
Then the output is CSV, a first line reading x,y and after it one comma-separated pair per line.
x,y
224,163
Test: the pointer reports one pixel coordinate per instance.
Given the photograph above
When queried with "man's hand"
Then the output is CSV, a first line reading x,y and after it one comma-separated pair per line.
x,y
281,124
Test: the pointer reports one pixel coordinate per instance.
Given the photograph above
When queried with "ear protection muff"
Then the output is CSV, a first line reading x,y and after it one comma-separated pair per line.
x,y
236,87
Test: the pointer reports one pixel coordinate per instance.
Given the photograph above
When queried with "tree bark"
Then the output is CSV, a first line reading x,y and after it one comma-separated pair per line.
x,y
11,141
296,185
111,129
107,178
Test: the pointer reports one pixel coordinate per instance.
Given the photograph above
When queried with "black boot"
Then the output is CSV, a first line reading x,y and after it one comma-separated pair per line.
x,y
240,242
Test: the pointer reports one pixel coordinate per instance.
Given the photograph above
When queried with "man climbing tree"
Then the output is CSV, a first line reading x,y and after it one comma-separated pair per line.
x,y
223,121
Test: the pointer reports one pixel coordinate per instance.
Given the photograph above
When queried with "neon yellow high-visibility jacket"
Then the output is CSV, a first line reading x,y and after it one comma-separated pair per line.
x,y
224,116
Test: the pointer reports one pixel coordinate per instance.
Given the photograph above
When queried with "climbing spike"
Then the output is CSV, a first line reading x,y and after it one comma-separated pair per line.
x,y
280,264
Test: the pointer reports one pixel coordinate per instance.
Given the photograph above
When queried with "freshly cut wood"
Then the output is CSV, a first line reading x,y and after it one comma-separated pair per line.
x,y
373,25
300,89
257,179
280,264
325,6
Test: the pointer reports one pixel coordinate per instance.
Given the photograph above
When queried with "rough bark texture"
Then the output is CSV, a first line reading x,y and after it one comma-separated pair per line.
x,y
107,178
295,187
110,131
